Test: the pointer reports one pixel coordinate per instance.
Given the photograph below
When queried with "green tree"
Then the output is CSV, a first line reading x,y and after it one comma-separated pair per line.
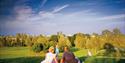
x,y
53,38
44,41
63,41
80,40
37,47
1,41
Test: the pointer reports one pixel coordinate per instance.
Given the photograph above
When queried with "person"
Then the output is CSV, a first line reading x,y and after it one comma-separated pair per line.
x,y
50,56
89,53
57,50
68,57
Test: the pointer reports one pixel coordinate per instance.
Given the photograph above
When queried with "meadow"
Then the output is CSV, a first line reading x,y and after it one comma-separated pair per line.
x,y
18,55
25,55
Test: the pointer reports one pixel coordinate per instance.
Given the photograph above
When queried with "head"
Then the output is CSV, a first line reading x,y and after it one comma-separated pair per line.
x,y
51,49
66,49
56,46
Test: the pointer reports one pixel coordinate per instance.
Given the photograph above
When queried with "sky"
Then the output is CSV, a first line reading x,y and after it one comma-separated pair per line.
x,y
67,16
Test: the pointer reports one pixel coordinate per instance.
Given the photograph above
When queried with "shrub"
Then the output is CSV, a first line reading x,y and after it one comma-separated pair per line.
x,y
37,47
95,59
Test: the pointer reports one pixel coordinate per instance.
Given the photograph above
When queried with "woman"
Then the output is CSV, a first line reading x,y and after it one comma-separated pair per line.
x,y
50,56
68,57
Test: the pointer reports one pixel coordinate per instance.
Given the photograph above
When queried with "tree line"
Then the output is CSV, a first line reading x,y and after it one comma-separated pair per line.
x,y
78,40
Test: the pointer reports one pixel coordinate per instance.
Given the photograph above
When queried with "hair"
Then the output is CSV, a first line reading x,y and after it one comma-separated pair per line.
x,y
51,49
66,48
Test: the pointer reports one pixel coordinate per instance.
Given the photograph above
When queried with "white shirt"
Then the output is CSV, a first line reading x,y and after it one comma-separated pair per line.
x,y
49,58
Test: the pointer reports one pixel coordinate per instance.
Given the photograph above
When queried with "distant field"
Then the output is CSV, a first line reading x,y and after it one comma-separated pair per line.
x,y
25,55
14,52
19,55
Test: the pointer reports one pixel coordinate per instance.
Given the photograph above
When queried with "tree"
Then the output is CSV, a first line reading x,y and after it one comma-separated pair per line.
x,y
37,47
63,41
54,38
28,41
1,41
80,40
44,41
116,31
71,39
52,43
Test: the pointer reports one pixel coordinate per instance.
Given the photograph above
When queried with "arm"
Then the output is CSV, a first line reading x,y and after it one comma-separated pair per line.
x,y
55,60
62,61
73,55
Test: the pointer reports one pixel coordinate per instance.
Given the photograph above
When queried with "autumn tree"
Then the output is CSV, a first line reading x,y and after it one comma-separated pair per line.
x,y
80,40
63,41
72,39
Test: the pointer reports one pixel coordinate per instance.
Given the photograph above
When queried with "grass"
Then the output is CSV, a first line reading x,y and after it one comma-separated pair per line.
x,y
22,60
14,52
19,55
25,55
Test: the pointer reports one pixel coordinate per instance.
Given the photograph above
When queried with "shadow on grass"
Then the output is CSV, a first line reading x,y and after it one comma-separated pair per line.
x,y
22,60
121,61
39,59
94,59
74,49
82,59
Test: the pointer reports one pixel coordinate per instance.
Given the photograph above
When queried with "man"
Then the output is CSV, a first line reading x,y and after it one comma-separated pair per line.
x,y
68,57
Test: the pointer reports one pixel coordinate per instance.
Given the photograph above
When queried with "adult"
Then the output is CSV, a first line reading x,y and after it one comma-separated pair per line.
x,y
50,56
68,57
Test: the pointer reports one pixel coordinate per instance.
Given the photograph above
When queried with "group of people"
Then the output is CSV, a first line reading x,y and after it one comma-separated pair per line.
x,y
68,57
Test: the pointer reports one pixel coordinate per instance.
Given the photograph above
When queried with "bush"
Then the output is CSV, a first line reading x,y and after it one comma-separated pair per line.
x,y
37,47
95,59
90,60
74,49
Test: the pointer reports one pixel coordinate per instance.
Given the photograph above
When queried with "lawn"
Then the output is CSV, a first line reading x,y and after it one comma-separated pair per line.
x,y
25,55
19,55
14,52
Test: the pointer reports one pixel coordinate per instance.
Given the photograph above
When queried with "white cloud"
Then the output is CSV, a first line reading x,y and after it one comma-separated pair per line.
x,y
120,16
43,3
60,8
23,12
54,21
47,15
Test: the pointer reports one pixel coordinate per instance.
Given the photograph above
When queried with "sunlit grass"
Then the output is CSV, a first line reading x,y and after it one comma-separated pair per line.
x,y
25,55
15,52
80,53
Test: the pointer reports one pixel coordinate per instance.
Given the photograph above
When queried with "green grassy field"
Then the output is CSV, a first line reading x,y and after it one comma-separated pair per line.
x,y
19,55
14,52
25,55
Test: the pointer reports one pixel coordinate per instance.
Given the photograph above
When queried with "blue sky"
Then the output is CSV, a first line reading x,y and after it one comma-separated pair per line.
x,y
67,16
